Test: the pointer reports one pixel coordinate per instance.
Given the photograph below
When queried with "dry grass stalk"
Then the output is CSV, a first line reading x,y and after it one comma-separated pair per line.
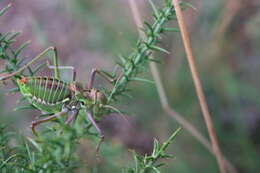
x,y
198,87
162,94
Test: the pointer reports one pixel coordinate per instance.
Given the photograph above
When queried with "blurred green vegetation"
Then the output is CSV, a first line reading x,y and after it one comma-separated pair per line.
x,y
225,38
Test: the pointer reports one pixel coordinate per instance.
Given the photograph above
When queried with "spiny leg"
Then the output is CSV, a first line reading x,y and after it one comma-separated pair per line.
x,y
74,73
72,116
40,55
101,135
103,74
52,117
56,64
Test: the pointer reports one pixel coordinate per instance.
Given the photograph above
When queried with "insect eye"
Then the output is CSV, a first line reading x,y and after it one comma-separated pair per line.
x,y
82,103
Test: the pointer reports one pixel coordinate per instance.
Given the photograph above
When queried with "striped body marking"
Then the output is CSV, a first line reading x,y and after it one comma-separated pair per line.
x,y
45,90
55,97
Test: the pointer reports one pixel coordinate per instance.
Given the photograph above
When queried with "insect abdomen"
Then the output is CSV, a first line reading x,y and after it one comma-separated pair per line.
x,y
44,90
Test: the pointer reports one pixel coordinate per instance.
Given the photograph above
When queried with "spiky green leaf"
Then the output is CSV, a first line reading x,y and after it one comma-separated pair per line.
x,y
170,29
157,48
142,80
155,10
2,11
21,47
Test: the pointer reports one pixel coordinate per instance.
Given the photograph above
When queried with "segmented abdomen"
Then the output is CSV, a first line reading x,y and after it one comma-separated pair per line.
x,y
47,90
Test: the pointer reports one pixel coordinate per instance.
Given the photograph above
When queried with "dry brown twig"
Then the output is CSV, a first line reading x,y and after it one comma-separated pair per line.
x,y
198,87
163,98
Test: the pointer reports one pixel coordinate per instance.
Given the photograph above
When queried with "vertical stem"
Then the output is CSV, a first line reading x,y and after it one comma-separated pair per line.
x,y
198,87
56,64
163,96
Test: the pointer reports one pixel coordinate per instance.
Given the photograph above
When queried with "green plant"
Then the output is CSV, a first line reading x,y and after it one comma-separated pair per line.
x,y
133,64
54,150
146,164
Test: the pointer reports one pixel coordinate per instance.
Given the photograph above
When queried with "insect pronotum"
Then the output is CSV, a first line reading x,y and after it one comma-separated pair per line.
x,y
56,97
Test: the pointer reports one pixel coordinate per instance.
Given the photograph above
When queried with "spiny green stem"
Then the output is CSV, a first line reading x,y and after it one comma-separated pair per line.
x,y
143,48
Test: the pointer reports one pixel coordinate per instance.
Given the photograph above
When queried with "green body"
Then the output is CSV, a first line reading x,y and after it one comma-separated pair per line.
x,y
45,93
49,95
56,97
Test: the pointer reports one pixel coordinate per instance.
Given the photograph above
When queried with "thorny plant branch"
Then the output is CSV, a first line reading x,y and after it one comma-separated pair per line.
x,y
162,94
150,163
198,87
55,152
132,64
130,67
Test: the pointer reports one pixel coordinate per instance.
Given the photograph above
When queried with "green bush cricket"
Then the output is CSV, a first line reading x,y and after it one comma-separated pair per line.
x,y
56,97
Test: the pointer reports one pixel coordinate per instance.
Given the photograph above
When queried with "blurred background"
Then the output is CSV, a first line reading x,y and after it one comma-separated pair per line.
x,y
90,34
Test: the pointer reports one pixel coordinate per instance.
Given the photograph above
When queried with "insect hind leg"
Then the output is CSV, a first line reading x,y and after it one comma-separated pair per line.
x,y
39,56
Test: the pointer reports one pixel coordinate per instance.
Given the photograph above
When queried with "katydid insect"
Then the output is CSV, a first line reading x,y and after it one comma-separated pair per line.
x,y
56,97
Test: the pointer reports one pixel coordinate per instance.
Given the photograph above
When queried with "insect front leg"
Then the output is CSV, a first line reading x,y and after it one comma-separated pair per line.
x,y
72,116
52,117
101,134
106,76
40,55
